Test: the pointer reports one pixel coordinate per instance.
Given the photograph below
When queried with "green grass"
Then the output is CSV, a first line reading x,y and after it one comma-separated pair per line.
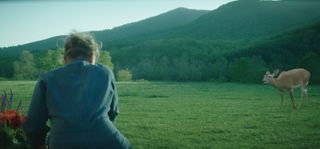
x,y
209,115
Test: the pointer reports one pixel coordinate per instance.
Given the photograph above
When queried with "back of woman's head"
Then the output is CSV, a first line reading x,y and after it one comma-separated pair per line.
x,y
80,45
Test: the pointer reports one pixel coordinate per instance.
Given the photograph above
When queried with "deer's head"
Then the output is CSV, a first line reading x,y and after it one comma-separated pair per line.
x,y
268,77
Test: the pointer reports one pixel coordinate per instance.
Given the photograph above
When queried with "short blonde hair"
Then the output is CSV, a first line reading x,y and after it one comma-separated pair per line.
x,y
79,45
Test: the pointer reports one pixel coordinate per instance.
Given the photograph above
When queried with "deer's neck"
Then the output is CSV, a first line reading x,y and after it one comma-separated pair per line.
x,y
276,83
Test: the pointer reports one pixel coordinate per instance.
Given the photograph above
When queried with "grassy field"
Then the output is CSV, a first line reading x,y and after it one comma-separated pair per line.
x,y
208,115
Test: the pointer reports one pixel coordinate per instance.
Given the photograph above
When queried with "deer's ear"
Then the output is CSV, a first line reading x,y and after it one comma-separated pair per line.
x,y
268,72
276,72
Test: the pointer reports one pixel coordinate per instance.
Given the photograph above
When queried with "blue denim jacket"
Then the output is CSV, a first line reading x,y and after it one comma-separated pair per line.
x,y
81,101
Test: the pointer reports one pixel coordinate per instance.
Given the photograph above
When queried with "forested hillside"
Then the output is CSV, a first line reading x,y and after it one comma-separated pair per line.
x,y
237,42
189,59
297,48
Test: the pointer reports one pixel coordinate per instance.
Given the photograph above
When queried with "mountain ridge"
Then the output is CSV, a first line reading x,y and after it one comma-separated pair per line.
x,y
231,21
251,19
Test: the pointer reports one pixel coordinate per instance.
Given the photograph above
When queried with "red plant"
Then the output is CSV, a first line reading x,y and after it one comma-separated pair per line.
x,y
11,133
12,119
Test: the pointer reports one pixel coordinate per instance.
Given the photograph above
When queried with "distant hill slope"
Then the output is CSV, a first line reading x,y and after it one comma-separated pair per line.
x,y
297,48
175,18
165,21
41,45
250,19
288,48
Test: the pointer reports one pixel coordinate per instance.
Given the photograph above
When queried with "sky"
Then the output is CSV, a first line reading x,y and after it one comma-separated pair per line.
x,y
24,21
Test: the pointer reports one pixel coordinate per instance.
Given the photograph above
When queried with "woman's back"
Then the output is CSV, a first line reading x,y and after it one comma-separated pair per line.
x,y
80,99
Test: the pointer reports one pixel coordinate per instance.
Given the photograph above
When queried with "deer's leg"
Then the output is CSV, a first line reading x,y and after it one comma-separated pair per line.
x,y
306,94
303,95
292,98
281,104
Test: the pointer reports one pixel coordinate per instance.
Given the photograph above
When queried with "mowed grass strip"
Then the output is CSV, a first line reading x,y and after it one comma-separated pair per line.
x,y
208,115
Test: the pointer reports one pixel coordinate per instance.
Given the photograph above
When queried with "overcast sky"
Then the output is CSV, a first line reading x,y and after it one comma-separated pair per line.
x,y
27,21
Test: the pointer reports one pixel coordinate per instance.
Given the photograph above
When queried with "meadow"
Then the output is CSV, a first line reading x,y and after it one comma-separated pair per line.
x,y
194,115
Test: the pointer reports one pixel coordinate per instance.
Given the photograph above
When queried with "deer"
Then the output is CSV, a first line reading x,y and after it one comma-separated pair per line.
x,y
288,81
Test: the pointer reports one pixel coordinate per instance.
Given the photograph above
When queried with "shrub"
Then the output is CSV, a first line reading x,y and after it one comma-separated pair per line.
x,y
124,75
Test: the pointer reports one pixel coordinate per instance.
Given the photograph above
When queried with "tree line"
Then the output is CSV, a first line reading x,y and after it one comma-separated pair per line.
x,y
29,65
177,60
188,60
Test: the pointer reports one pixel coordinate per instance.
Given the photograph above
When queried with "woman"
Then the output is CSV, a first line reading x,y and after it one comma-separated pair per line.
x,y
80,99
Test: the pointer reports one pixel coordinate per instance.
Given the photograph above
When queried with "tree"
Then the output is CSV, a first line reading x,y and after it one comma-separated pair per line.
x,y
49,60
6,67
181,66
219,68
311,62
240,70
248,69
258,68
144,69
163,68
105,59
24,68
